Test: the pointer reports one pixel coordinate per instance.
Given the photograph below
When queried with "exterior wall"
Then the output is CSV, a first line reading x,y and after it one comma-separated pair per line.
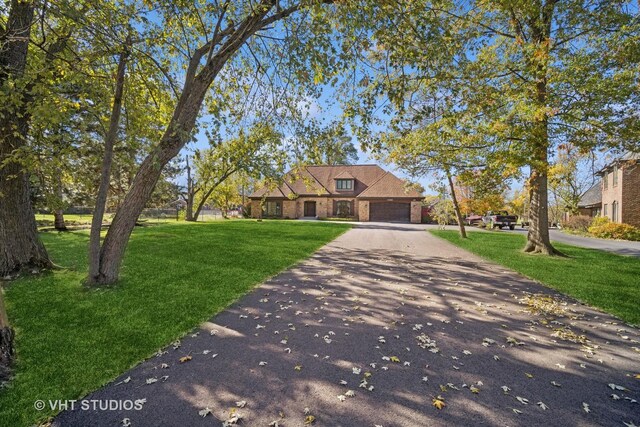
x,y
630,200
612,193
289,209
587,211
256,209
363,210
416,212
321,206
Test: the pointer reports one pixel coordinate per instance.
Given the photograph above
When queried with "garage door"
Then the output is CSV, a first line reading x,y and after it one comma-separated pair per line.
x,y
389,211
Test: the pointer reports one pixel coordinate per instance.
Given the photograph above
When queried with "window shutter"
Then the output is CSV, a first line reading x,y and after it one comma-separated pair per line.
x,y
335,208
351,212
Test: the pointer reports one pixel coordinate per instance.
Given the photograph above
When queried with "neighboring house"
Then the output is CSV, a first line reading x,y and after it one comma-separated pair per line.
x,y
591,201
360,192
617,196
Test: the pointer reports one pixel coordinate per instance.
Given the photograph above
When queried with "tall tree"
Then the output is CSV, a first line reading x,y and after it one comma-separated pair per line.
x,y
105,176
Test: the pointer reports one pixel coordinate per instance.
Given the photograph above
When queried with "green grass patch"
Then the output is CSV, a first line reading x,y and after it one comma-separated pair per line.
x,y
71,340
601,279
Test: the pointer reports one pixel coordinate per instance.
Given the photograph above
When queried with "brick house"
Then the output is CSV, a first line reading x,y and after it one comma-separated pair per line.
x,y
360,192
617,195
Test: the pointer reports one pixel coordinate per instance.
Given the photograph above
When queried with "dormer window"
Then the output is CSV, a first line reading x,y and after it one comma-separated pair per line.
x,y
344,184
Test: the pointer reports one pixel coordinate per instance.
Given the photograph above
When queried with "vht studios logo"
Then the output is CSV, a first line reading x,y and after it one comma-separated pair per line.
x,y
90,405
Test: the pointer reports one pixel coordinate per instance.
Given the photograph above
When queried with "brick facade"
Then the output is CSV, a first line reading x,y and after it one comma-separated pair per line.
x,y
612,193
363,210
416,212
630,200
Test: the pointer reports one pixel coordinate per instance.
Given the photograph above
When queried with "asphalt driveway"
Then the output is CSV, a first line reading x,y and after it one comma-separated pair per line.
x,y
376,328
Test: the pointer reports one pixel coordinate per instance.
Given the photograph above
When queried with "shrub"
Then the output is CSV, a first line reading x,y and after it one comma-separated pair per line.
x,y
614,230
599,221
578,223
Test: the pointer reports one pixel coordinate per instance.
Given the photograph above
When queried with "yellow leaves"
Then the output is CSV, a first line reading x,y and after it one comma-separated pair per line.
x,y
309,419
528,375
438,402
474,390
637,376
298,368
394,359
443,388
185,359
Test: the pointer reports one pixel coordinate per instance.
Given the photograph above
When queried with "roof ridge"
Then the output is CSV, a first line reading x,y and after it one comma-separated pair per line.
x,y
317,180
374,183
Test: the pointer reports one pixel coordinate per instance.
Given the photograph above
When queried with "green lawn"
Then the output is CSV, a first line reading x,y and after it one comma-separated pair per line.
x,y
71,340
608,281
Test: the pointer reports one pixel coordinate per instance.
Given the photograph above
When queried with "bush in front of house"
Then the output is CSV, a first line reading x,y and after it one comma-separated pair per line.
x,y
578,223
604,229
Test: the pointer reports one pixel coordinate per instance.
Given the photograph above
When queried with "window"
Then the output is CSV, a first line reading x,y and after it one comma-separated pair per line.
x,y
605,210
605,181
614,211
344,184
272,209
343,208
615,176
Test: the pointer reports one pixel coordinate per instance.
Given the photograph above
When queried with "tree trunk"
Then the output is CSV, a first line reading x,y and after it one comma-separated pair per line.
x,y
20,247
538,236
191,194
7,350
456,207
58,214
58,220
105,174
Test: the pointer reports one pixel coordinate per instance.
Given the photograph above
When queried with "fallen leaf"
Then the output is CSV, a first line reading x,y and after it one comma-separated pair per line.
x,y
542,405
298,368
517,411
474,390
204,412
342,398
394,359
241,403
556,384
528,375
586,408
438,402
309,419
126,422
185,359
522,400
617,387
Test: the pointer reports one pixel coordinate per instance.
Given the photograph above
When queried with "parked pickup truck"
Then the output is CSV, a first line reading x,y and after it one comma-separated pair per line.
x,y
500,219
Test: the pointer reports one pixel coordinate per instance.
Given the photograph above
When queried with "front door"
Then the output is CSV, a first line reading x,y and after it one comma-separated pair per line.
x,y
309,208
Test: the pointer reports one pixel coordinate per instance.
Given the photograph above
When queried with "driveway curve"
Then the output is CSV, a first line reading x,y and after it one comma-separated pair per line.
x,y
376,329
